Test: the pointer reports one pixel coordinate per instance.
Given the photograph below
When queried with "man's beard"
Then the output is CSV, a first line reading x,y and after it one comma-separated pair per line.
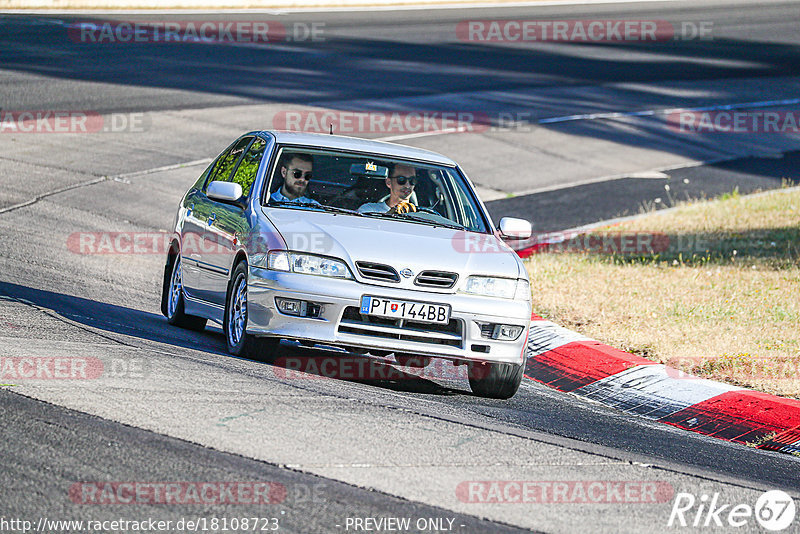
x,y
294,190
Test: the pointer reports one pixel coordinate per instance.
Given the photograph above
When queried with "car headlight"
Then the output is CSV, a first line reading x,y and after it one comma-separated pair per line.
x,y
491,287
281,260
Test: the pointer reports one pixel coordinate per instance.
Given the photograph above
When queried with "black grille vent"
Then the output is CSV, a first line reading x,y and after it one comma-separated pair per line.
x,y
437,279
377,271
354,322
487,330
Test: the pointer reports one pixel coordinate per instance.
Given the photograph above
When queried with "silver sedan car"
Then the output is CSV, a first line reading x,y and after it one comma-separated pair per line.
x,y
370,247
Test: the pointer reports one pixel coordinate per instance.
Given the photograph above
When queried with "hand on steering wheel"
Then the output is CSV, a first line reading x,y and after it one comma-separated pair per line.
x,y
403,207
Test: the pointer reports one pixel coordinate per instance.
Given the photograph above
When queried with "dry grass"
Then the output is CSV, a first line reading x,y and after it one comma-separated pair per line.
x,y
729,310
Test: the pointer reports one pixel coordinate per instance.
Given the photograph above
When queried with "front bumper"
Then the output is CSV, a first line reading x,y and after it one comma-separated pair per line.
x,y
339,324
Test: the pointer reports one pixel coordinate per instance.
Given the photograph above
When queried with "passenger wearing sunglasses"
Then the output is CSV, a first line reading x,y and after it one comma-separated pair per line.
x,y
401,183
296,173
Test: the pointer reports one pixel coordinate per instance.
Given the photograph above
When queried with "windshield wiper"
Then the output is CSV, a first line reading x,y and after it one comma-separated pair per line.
x,y
290,204
337,209
332,209
408,217
454,226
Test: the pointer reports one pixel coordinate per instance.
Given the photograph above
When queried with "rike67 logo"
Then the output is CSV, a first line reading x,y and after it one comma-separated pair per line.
x,y
774,511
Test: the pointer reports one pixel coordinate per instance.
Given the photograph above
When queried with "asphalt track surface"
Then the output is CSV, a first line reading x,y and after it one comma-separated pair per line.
x,y
374,54
178,421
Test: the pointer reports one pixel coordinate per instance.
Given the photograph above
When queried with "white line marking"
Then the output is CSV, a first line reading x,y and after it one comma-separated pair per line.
x,y
610,177
422,134
37,198
117,178
204,161
320,8
665,111
614,115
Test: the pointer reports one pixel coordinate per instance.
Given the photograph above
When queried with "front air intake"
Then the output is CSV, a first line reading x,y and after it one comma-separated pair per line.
x,y
377,271
437,279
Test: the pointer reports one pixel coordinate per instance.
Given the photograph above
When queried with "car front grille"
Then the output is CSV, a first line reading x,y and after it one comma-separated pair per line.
x,y
353,322
437,279
377,271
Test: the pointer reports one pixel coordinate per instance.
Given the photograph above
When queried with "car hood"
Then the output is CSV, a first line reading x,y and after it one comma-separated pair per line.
x,y
397,243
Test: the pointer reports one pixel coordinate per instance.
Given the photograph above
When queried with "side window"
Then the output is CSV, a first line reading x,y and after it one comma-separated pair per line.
x,y
246,172
201,182
467,209
226,163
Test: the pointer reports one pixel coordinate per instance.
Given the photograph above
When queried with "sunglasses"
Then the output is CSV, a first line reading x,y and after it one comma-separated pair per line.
x,y
297,173
401,180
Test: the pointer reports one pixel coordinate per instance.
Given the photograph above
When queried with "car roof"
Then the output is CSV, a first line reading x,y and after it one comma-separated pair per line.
x,y
356,144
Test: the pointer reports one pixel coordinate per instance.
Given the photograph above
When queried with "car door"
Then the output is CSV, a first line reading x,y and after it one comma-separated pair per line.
x,y
200,256
230,225
195,211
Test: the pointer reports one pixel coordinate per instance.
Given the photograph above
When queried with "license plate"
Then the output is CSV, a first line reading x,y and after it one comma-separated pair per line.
x,y
423,312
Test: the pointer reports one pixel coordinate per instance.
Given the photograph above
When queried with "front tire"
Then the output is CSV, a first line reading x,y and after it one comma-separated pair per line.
x,y
175,304
495,380
239,342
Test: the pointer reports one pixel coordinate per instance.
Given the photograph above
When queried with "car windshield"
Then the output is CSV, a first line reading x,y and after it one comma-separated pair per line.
x,y
371,186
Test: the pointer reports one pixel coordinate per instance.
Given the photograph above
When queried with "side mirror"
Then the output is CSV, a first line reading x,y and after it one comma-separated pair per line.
x,y
224,191
511,228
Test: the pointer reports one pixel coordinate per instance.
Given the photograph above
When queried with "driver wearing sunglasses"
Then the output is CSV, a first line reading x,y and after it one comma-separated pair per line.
x,y
401,183
296,173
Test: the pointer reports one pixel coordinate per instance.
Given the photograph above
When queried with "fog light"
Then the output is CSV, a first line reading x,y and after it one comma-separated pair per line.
x,y
291,306
506,332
